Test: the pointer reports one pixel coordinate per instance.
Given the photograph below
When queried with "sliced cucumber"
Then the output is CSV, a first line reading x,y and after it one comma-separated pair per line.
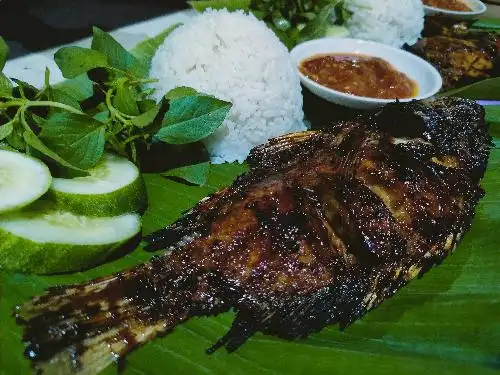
x,y
54,241
23,180
114,187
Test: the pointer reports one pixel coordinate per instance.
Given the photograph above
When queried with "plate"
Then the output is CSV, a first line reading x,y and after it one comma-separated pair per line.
x,y
477,6
427,77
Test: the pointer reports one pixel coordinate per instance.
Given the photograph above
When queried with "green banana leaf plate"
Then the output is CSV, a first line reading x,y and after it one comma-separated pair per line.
x,y
447,322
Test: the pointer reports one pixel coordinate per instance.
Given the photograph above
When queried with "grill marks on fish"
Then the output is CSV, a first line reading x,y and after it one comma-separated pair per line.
x,y
323,228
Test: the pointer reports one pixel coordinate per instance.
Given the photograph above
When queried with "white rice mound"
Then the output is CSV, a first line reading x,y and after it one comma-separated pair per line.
x,y
392,22
234,57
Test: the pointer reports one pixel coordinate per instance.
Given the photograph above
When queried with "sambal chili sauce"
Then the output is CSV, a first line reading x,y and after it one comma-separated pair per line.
x,y
456,5
359,75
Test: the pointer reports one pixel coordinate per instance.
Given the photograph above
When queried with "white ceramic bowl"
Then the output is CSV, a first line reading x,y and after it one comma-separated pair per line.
x,y
477,6
427,77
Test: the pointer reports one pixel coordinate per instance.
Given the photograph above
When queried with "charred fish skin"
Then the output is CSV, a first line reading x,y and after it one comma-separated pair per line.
x,y
324,227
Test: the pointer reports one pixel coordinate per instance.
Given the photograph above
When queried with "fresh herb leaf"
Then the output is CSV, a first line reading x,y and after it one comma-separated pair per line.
x,y
488,89
79,87
146,118
33,141
24,90
192,118
5,85
78,139
61,96
125,100
180,92
144,51
118,57
6,130
319,25
146,105
4,53
196,174
231,5
74,61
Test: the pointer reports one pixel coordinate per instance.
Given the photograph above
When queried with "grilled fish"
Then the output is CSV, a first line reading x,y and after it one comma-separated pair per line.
x,y
324,227
461,56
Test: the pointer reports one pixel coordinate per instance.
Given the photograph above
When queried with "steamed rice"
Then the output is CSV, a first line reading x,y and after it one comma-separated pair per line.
x,y
392,22
234,57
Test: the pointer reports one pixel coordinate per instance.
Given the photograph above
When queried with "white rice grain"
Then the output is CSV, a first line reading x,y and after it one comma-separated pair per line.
x,y
234,57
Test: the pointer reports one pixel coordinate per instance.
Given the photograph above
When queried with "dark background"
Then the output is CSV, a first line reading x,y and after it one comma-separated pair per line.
x,y
34,25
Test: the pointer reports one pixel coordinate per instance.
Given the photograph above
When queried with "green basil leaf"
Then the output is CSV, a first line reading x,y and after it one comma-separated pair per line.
x,y
102,116
4,53
5,85
192,118
180,92
146,118
15,139
33,141
24,89
79,87
63,97
78,139
6,130
118,57
487,89
318,26
125,100
146,105
74,61
145,50
196,174
231,5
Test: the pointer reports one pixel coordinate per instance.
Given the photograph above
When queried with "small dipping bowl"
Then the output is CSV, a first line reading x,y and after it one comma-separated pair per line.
x,y
477,6
424,74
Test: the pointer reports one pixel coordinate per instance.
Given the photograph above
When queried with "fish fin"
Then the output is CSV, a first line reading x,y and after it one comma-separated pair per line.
x,y
281,150
81,329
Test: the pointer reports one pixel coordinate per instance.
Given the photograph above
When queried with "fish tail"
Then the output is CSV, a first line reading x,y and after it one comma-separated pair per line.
x,y
81,329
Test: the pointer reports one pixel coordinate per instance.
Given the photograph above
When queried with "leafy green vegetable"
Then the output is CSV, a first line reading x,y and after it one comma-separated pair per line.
x,y
78,139
6,130
74,61
196,174
5,85
319,25
293,21
79,87
4,53
125,100
61,96
146,118
488,89
192,118
117,56
230,5
180,92
103,105
33,141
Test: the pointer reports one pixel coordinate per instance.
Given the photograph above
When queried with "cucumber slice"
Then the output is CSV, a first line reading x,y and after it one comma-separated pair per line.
x,y
23,180
114,187
54,241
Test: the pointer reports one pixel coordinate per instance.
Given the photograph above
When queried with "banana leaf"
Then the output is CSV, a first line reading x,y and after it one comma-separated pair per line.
x,y
448,322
